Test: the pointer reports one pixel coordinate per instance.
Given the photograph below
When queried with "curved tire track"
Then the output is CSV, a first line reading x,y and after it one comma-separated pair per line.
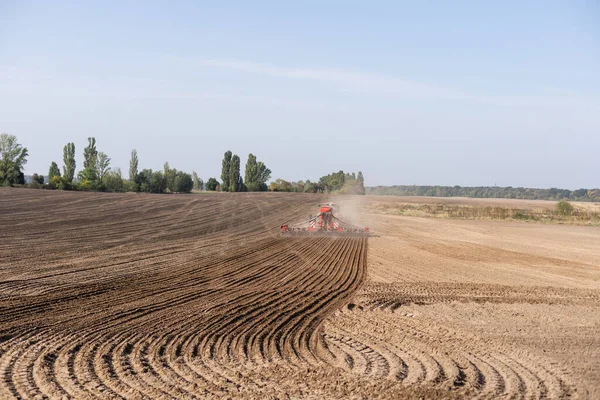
x,y
187,303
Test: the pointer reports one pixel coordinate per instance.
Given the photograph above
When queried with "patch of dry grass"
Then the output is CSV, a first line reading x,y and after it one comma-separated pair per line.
x,y
579,216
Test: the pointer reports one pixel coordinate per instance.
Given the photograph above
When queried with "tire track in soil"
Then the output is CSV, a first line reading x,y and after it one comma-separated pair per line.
x,y
165,297
376,336
188,297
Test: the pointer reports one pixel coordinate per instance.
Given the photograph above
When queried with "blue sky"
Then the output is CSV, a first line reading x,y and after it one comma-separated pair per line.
x,y
449,93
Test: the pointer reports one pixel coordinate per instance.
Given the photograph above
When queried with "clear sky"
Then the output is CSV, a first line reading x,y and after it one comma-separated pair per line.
x,y
420,92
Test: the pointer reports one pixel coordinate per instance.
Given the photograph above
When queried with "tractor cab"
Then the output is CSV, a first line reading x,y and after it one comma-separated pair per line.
x,y
326,216
329,208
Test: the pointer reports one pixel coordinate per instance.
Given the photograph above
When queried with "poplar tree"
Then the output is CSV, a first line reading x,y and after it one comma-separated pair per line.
x,y
250,175
235,180
69,161
90,161
133,165
226,171
103,162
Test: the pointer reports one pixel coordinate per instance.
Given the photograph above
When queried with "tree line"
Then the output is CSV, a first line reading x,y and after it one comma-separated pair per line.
x,y
335,183
97,174
257,174
488,192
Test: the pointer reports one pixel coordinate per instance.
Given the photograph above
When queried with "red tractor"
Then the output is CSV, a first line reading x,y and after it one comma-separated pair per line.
x,y
326,223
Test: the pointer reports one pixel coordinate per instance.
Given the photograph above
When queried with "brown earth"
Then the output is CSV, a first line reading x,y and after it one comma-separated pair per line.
x,y
195,296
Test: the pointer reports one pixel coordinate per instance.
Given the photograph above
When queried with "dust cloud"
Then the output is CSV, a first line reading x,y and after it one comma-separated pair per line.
x,y
351,209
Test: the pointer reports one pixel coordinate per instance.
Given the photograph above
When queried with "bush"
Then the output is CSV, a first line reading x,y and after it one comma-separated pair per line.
x,y
158,183
35,184
564,208
113,182
212,184
87,185
64,185
130,186
54,182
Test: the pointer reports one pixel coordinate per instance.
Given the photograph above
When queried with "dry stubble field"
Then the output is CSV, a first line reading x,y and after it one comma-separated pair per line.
x,y
194,296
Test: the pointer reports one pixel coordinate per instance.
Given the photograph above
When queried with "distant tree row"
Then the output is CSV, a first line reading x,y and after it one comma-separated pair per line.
x,y
98,176
167,180
95,175
336,183
488,192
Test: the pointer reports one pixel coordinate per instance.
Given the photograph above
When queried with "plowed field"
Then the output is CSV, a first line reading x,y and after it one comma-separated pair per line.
x,y
195,296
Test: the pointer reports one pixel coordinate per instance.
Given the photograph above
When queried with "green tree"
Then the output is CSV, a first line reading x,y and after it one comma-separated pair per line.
x,y
103,163
90,162
53,171
257,175
69,161
250,174
133,165
333,182
226,171
183,182
14,157
144,180
212,184
264,174
235,179
158,182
